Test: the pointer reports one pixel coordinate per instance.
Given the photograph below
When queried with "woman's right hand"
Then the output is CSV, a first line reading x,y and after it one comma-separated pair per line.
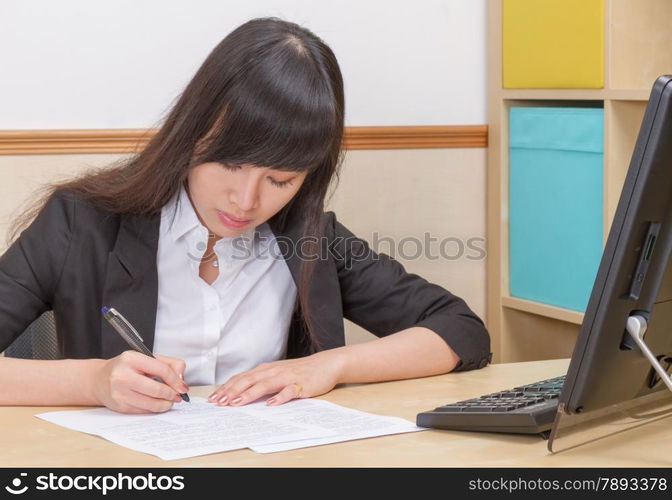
x,y
124,383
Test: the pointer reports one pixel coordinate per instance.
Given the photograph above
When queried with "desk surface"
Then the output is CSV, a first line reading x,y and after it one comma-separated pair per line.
x,y
34,442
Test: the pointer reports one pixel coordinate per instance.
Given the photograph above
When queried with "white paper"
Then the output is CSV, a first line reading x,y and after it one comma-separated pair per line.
x,y
187,429
201,427
346,424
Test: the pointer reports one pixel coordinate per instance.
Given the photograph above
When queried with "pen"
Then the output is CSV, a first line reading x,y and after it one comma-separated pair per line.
x,y
131,336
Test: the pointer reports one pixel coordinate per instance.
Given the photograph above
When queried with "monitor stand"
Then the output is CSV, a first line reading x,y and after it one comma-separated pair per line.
x,y
575,429
636,327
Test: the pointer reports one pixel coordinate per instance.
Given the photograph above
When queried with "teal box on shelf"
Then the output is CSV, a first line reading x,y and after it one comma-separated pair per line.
x,y
556,157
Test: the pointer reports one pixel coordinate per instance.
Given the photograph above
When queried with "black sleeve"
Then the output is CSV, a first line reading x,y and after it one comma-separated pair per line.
x,y
31,268
380,296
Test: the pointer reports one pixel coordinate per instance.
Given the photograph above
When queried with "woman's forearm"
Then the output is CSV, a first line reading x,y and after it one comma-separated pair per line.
x,y
47,383
414,352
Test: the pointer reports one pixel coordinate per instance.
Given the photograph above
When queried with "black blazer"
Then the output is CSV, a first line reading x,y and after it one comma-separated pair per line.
x,y
74,258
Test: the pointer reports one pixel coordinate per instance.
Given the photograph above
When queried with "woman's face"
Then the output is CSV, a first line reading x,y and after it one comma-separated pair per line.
x,y
222,193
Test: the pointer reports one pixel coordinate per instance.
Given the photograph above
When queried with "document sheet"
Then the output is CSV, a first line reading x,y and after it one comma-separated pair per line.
x,y
201,427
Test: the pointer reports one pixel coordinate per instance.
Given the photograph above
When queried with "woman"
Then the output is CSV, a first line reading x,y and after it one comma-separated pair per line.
x,y
242,162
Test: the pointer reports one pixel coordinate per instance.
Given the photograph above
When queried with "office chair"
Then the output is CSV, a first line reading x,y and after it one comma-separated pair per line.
x,y
38,341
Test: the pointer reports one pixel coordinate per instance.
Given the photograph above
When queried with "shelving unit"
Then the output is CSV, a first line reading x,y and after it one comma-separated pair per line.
x,y
638,37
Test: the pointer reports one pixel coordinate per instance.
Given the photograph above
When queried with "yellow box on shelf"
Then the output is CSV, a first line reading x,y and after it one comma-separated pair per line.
x,y
553,43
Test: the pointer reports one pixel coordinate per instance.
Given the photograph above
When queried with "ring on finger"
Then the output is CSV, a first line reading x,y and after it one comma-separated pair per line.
x,y
299,389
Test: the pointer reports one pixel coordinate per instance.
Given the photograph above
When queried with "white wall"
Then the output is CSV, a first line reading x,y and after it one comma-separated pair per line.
x,y
119,64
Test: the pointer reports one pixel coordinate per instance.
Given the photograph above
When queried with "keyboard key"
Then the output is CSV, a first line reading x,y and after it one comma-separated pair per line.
x,y
448,409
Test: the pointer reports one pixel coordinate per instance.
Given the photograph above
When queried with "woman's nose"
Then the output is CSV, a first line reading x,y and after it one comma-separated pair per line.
x,y
248,193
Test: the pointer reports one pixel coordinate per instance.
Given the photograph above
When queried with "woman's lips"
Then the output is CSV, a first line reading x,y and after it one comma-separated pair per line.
x,y
231,221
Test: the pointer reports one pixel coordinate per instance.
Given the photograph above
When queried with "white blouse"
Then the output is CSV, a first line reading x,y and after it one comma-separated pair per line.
x,y
239,321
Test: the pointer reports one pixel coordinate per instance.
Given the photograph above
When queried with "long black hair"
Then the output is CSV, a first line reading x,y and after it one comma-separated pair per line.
x,y
270,94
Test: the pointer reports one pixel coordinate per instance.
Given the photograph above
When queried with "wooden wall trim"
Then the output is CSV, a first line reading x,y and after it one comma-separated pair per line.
x,y
30,142
420,137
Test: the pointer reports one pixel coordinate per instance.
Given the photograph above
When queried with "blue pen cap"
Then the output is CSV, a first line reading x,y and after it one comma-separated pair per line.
x,y
104,309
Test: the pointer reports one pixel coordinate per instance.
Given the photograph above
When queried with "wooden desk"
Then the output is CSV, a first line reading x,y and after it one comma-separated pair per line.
x,y
29,441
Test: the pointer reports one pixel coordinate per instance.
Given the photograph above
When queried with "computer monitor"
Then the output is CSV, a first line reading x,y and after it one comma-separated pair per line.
x,y
634,278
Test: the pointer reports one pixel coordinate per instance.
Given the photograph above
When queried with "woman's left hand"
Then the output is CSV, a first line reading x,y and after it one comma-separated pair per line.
x,y
289,378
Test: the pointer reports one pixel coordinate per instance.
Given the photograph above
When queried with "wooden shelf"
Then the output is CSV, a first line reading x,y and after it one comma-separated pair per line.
x,y
546,310
555,94
636,37
638,40
629,94
577,94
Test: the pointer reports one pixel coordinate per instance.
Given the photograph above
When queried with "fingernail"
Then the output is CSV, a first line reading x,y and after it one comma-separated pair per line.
x,y
236,401
212,396
177,398
185,388
271,401
181,376
223,399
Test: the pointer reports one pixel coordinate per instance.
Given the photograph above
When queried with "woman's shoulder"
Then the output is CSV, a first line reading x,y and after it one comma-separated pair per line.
x,y
69,196
333,228
77,210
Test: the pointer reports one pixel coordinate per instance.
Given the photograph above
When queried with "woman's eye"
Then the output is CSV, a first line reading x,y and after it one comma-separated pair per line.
x,y
280,183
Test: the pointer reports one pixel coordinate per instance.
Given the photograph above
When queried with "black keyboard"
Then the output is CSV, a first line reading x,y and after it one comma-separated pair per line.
x,y
528,409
